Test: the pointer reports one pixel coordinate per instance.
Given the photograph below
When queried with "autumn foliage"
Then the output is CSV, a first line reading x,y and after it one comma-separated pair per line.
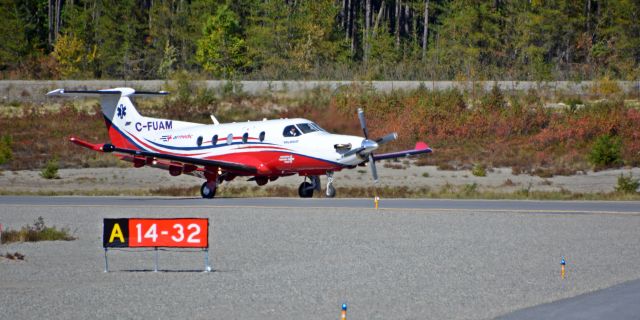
x,y
492,129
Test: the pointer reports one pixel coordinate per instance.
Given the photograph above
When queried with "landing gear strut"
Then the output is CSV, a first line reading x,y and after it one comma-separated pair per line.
x,y
331,191
208,189
306,188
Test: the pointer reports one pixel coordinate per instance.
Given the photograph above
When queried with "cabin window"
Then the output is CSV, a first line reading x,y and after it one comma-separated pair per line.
x,y
214,139
199,141
291,131
245,137
309,127
261,136
230,138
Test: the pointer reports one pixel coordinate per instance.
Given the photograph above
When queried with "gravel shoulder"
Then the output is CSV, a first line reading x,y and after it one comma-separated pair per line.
x,y
126,181
303,263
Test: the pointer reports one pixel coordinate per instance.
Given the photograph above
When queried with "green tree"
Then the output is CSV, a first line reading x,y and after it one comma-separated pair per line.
x,y
13,45
313,42
70,53
268,35
616,48
470,39
121,38
222,50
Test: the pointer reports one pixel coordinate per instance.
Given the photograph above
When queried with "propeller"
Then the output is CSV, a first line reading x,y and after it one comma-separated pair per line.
x,y
368,146
363,123
388,138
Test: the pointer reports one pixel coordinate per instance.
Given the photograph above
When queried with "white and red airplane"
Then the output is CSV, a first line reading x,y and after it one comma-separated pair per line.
x,y
262,150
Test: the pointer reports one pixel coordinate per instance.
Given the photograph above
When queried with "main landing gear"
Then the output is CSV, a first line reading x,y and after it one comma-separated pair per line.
x,y
208,189
307,188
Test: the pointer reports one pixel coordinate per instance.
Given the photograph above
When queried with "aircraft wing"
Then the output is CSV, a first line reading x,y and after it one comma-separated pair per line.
x,y
202,162
421,147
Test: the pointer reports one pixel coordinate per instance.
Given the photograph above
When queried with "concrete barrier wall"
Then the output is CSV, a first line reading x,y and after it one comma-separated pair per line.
x,y
34,91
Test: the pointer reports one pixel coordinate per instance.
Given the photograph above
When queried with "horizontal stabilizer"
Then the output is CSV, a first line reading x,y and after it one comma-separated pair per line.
x,y
117,91
88,145
420,148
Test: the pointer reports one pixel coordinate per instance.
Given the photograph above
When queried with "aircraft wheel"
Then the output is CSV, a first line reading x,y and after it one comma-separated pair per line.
x,y
305,190
207,191
331,191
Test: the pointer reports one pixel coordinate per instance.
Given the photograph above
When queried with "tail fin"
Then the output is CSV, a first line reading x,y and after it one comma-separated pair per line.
x,y
127,128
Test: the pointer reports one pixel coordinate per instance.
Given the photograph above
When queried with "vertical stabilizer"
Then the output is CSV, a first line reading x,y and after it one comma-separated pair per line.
x,y
127,128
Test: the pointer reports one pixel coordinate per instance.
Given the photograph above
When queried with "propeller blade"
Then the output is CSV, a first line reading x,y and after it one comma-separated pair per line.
x,y
388,138
352,152
363,123
374,171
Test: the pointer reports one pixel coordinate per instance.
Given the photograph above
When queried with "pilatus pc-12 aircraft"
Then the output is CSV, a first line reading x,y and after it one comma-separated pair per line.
x,y
261,150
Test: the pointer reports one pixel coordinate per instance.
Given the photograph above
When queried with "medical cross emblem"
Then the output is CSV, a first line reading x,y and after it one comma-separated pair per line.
x,y
122,111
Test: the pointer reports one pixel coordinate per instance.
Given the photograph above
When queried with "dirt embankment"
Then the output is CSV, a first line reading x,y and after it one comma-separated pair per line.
x,y
132,181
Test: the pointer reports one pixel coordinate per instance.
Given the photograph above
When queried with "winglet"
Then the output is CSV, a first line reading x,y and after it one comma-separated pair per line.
x,y
56,92
420,145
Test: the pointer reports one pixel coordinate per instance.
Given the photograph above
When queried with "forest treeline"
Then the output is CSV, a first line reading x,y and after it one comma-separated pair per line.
x,y
321,39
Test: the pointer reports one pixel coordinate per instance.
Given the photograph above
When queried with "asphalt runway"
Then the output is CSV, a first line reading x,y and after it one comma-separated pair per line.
x,y
512,206
276,258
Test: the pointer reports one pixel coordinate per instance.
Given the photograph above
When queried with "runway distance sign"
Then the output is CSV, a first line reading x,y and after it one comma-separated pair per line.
x,y
146,232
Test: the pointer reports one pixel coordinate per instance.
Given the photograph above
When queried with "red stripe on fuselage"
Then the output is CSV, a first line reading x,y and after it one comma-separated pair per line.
x,y
117,139
277,161
263,147
149,147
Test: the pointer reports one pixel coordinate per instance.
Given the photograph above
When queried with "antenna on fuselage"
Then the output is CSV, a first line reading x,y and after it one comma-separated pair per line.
x,y
215,121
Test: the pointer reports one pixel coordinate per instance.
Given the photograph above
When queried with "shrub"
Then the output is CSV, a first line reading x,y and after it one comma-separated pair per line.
x,y
50,171
470,189
542,173
14,256
494,100
606,152
479,170
627,184
5,149
36,232
606,87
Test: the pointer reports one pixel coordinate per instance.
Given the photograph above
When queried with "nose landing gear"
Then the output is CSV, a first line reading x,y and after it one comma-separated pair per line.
x,y
307,188
331,191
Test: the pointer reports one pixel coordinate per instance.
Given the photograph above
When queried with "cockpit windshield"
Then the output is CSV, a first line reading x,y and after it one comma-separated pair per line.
x,y
309,127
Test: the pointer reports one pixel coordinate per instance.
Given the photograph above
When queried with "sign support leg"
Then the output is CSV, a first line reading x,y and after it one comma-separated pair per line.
x,y
106,261
155,269
207,266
